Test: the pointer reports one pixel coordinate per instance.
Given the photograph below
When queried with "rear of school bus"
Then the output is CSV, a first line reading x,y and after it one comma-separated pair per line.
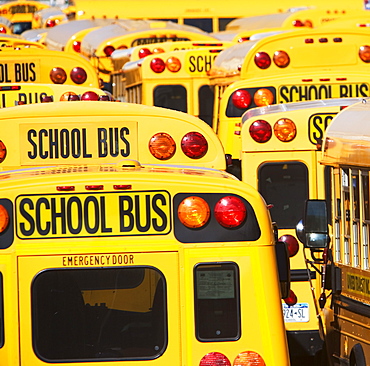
x,y
32,65
137,265
280,157
98,45
285,68
96,132
121,56
175,80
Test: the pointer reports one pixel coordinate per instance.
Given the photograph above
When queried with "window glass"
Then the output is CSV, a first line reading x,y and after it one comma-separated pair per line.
x,y
204,24
285,186
99,313
217,310
223,22
171,97
206,104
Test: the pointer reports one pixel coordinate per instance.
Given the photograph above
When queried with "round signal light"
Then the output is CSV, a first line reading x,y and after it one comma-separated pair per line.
x,y
2,151
158,50
50,23
193,212
173,64
143,52
308,23
4,218
78,75
47,99
3,30
297,23
262,60
157,65
285,130
230,211
69,96
76,46
194,145
249,358
292,244
108,50
263,97
364,53
90,96
291,299
162,146
58,75
281,59
260,131
214,359
241,99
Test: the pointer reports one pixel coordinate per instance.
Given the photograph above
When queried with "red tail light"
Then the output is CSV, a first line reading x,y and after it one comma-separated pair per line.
x,y
69,96
50,23
297,23
2,151
364,53
157,65
143,52
291,299
230,211
47,99
292,244
2,30
78,75
214,359
108,50
58,75
262,60
90,95
77,46
241,99
260,131
194,145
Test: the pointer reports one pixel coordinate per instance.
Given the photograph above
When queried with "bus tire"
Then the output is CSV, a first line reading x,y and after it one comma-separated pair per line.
x,y
357,356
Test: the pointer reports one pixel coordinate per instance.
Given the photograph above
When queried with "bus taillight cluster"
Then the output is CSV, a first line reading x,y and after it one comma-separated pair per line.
x,y
245,98
284,129
194,212
163,147
172,64
59,76
246,358
263,59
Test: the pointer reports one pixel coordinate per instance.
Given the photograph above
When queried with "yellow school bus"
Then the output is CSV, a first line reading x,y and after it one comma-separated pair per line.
x,y
96,132
139,78
345,299
20,13
176,80
99,44
280,157
15,41
136,264
33,65
29,93
49,17
211,16
285,68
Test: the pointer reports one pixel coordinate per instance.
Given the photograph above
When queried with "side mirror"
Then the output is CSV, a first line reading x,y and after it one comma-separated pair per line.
x,y
313,230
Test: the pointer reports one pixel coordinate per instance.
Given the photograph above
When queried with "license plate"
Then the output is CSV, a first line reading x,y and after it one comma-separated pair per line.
x,y
298,313
298,93
77,143
19,72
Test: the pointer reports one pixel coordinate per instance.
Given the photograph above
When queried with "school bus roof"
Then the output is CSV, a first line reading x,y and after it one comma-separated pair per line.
x,y
338,49
57,37
347,139
35,35
115,35
101,128
12,40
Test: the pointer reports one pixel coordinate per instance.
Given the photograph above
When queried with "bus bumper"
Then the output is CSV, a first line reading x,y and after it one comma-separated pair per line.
x,y
304,343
